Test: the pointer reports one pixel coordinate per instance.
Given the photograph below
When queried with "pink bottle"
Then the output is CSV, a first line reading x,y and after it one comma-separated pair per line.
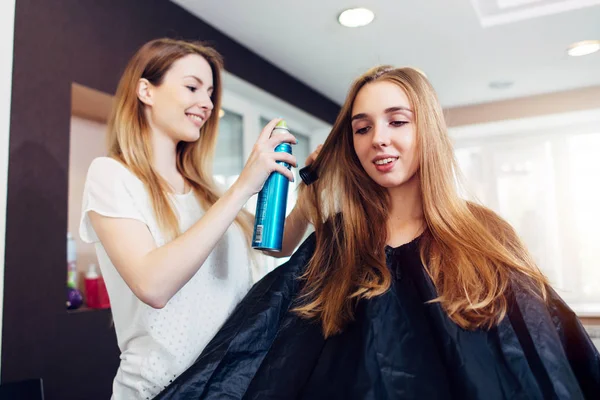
x,y
103,300
92,283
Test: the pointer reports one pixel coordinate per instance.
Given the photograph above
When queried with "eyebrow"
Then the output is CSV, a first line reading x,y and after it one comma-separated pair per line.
x,y
198,79
387,111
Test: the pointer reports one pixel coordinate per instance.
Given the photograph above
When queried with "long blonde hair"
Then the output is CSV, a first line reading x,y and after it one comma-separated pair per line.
x,y
470,253
129,132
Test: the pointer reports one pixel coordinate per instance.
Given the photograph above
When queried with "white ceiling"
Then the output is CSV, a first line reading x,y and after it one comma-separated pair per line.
x,y
444,38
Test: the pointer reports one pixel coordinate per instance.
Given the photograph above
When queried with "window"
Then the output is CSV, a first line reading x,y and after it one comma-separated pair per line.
x,y
584,195
247,111
229,153
547,186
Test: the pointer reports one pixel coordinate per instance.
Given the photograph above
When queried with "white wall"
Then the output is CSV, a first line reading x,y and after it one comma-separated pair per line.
x,y
7,23
88,141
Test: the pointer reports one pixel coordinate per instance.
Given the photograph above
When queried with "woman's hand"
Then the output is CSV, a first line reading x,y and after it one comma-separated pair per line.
x,y
313,156
264,160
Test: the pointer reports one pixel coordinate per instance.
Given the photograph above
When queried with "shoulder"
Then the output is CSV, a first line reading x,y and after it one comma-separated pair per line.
x,y
108,169
109,178
108,166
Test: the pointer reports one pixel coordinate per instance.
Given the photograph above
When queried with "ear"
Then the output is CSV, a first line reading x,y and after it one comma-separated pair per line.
x,y
145,91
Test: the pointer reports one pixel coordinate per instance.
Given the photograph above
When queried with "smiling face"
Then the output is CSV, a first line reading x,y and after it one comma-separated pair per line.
x,y
180,105
384,133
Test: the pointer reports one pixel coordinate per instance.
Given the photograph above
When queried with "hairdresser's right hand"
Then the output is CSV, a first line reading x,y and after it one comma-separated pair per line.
x,y
313,156
263,160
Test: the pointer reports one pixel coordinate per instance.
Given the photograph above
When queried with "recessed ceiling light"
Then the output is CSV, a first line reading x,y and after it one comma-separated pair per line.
x,y
583,48
355,17
501,84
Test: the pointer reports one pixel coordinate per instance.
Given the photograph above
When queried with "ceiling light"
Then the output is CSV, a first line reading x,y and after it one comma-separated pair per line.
x,y
583,48
221,113
500,12
355,17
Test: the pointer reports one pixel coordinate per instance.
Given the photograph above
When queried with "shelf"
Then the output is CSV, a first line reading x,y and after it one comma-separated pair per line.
x,y
86,309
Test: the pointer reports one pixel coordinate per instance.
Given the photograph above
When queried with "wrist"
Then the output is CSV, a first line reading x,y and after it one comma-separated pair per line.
x,y
239,193
297,214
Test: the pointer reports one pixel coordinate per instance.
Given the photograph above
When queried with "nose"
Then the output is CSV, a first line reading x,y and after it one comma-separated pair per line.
x,y
205,102
381,136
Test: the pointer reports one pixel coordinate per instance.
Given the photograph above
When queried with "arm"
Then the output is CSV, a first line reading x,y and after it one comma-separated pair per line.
x,y
155,274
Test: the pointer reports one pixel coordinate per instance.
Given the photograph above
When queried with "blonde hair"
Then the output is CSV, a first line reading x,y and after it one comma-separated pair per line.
x,y
470,253
129,132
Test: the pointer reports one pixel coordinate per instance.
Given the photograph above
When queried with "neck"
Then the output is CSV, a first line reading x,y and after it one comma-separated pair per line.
x,y
405,219
164,151
164,155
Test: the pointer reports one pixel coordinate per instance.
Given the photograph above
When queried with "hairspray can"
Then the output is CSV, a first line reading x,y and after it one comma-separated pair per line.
x,y
271,203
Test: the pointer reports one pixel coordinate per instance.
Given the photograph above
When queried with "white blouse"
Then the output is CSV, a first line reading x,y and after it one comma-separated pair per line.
x,y
158,345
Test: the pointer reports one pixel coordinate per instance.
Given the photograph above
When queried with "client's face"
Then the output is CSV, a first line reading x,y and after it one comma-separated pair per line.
x,y
384,133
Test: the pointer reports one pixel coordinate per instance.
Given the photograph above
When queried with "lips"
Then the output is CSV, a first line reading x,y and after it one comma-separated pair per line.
x,y
385,162
197,119
384,159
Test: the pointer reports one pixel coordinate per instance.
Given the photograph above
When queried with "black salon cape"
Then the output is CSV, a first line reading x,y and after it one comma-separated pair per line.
x,y
398,347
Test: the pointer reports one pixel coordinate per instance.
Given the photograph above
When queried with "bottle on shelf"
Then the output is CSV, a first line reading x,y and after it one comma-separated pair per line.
x,y
74,297
92,280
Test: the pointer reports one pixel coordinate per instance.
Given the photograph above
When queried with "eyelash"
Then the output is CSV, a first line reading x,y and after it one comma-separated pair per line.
x,y
395,124
193,89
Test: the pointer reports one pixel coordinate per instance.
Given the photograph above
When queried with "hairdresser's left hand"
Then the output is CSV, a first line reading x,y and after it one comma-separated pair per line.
x,y
313,156
302,200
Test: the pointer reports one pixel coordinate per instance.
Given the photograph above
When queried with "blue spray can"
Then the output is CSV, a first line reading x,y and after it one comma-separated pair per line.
x,y
272,202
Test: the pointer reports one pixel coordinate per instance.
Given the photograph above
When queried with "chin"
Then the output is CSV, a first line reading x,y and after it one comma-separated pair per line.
x,y
189,137
389,182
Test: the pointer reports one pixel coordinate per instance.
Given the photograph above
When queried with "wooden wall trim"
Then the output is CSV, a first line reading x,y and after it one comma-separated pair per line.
x,y
532,106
